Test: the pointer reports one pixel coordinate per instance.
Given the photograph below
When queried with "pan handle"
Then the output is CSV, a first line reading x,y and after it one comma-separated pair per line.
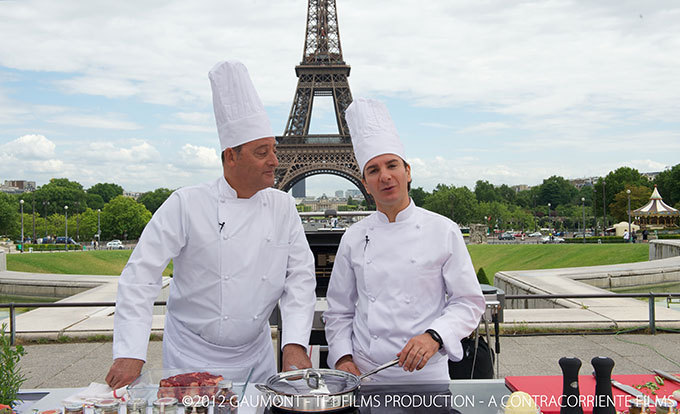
x,y
264,389
380,368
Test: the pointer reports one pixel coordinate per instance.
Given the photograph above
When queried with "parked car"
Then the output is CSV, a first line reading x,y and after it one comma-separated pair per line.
x,y
506,236
115,244
536,234
551,239
519,235
62,240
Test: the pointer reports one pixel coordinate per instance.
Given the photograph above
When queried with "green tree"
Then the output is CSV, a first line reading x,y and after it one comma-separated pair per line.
x,y
95,201
60,192
485,192
639,196
482,278
9,214
106,191
668,185
556,190
507,194
459,204
124,218
418,195
615,182
153,199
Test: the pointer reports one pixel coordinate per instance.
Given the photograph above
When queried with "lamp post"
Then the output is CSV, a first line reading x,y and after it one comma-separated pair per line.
x,y
630,234
583,202
45,204
604,209
550,224
33,240
77,220
21,203
66,221
99,231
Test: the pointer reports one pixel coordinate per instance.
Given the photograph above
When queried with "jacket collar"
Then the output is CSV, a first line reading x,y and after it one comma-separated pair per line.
x,y
403,215
225,190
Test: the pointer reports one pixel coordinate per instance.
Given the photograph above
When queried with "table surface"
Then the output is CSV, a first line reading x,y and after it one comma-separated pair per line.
x,y
467,396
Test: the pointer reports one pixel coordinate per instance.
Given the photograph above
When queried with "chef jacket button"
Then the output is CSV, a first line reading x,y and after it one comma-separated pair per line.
x,y
413,260
223,200
370,228
264,277
418,226
268,239
256,317
225,318
226,278
375,336
368,261
372,298
264,204
408,300
225,237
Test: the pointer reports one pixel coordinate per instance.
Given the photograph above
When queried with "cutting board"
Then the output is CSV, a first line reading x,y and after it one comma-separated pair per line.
x,y
547,390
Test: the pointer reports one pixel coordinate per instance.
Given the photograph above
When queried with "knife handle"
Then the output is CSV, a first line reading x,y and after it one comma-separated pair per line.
x,y
571,402
604,401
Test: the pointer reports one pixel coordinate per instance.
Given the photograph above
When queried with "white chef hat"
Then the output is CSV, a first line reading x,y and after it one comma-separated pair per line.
x,y
239,113
372,130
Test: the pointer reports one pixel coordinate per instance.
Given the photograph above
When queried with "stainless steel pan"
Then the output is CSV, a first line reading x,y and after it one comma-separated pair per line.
x,y
315,390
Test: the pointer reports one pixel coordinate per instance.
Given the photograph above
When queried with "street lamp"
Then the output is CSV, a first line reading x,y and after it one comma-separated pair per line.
x,y
66,238
99,231
550,223
583,202
33,240
630,234
604,209
45,204
21,203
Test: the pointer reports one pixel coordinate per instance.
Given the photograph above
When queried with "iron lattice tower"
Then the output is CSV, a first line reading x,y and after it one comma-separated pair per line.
x,y
322,72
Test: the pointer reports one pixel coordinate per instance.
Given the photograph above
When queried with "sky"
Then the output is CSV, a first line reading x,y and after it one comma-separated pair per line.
x,y
510,92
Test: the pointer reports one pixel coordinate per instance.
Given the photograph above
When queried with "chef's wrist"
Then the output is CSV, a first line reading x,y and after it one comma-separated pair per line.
x,y
343,359
436,337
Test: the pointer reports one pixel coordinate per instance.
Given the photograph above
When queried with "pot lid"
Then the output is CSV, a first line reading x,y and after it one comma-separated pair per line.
x,y
313,382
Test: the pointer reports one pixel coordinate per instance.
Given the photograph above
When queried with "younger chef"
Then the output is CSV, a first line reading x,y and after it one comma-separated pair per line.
x,y
238,248
402,284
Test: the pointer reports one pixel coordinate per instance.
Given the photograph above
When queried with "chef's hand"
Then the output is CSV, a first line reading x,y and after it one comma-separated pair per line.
x,y
123,371
347,364
417,351
295,357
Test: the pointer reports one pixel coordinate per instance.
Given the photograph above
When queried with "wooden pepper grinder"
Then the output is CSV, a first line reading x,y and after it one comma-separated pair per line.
x,y
604,401
571,401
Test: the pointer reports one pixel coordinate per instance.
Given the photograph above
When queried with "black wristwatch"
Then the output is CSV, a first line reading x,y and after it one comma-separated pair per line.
x,y
436,337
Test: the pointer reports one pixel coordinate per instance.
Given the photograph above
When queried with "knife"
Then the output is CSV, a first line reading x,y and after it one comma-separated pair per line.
x,y
667,375
630,390
627,388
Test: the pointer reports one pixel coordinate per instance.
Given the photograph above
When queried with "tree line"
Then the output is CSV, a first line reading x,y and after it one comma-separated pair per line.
x,y
103,206
555,203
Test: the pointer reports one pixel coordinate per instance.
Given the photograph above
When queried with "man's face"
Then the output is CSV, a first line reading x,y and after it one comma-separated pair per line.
x,y
253,167
386,178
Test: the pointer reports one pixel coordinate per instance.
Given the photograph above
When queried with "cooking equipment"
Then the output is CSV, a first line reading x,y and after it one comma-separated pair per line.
x,y
627,388
571,401
604,402
667,375
319,390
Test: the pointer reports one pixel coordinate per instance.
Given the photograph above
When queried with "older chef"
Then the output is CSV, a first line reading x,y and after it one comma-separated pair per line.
x,y
238,248
403,284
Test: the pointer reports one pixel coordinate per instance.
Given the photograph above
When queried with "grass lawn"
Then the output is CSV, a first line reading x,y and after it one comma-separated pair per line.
x,y
493,257
496,257
100,262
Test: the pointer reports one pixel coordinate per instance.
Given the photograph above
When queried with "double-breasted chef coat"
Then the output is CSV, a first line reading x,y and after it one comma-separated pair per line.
x,y
391,282
233,259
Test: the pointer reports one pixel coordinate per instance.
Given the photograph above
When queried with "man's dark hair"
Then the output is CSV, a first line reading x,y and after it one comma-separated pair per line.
x,y
237,150
408,186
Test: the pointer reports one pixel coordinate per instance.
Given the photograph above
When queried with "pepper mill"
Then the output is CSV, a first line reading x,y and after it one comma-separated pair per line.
x,y
604,401
571,401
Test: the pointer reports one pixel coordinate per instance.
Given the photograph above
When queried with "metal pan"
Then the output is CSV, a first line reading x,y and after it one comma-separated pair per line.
x,y
315,390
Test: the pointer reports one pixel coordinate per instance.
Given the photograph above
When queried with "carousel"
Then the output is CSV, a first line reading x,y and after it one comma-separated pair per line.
x,y
656,214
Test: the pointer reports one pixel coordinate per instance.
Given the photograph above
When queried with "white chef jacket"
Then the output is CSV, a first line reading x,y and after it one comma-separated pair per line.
x,y
234,259
391,282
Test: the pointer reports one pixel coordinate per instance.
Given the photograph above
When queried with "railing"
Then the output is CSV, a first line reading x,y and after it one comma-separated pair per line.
x,y
650,298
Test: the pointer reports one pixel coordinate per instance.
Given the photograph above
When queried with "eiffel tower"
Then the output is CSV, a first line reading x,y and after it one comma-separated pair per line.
x,y
322,72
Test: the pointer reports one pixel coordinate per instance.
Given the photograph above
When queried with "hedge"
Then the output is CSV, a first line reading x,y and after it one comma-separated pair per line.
x,y
51,247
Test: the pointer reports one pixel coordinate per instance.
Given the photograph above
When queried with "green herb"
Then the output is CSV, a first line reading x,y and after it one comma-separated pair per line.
x,y
10,372
658,379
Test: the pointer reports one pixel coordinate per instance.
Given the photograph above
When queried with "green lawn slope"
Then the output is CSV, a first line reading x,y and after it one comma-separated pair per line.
x,y
100,262
496,257
492,258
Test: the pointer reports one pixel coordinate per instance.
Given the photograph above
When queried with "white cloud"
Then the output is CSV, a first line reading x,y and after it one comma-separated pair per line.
x,y
109,153
198,157
28,148
110,121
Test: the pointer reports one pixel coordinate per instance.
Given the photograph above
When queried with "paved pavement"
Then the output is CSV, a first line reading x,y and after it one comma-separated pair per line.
x,y
78,364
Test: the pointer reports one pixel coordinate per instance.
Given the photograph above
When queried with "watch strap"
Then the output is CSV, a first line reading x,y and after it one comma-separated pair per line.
x,y
436,337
